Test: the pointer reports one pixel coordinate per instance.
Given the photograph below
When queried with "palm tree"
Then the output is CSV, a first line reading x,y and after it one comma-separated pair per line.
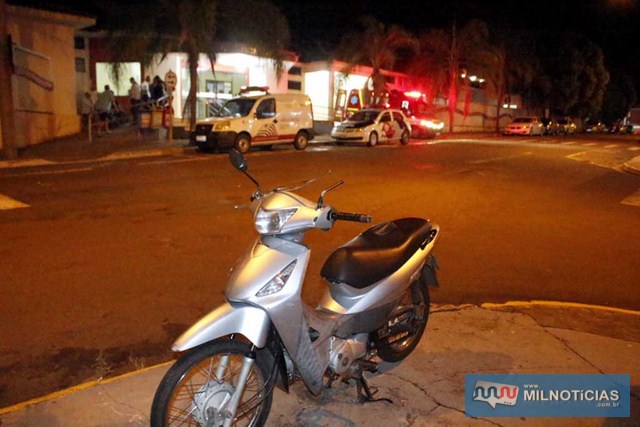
x,y
378,46
145,30
443,53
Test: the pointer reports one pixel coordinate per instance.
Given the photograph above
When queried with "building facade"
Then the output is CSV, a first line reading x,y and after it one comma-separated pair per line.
x,y
44,73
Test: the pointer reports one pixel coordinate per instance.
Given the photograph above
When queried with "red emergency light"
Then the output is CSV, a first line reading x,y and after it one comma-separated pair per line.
x,y
413,94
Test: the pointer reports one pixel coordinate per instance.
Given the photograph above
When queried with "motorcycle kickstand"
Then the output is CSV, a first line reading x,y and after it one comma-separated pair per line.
x,y
367,396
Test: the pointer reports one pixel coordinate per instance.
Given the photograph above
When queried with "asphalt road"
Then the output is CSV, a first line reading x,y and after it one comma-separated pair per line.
x,y
112,260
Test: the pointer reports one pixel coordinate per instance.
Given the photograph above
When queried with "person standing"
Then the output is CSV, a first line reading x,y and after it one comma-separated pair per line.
x,y
86,110
104,104
135,95
158,91
145,89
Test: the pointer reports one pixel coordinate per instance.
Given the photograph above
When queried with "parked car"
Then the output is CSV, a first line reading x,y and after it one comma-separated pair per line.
x,y
524,126
593,126
424,126
566,127
373,125
550,126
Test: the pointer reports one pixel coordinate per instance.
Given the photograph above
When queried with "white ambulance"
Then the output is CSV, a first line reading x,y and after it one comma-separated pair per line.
x,y
261,120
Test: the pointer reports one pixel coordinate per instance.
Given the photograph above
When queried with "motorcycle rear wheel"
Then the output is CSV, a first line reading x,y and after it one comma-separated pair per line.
x,y
411,314
190,394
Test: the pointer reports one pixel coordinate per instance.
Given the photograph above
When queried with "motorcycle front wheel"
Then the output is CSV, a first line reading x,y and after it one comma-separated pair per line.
x,y
195,390
405,325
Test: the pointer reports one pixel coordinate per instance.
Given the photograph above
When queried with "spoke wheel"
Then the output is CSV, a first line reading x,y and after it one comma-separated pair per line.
x,y
197,388
405,325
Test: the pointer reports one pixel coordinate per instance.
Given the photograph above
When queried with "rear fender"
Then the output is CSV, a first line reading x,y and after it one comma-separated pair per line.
x,y
227,319
428,276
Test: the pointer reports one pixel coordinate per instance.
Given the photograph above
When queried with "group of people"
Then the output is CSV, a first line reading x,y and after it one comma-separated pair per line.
x,y
141,97
148,93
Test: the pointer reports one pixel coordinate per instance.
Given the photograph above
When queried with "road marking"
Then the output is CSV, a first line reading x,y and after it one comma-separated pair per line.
x,y
632,200
568,143
611,146
7,203
52,172
590,144
162,162
634,148
499,159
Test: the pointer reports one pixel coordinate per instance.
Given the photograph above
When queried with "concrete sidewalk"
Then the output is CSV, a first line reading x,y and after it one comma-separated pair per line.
x,y
427,388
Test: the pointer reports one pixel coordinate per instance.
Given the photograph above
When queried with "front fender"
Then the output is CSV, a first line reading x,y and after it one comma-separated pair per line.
x,y
227,319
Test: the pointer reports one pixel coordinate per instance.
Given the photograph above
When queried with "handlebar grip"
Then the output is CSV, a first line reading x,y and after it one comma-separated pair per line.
x,y
346,216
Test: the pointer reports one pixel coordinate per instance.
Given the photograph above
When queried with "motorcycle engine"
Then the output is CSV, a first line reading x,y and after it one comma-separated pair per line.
x,y
344,352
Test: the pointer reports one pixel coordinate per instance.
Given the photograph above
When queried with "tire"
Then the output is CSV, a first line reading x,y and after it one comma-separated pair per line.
x,y
188,394
404,139
373,139
412,311
301,141
243,143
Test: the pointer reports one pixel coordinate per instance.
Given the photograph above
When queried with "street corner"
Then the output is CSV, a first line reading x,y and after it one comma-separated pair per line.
x,y
605,321
632,166
124,400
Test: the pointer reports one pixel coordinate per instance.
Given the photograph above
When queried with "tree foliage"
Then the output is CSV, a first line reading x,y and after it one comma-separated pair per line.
x,y
575,67
143,30
377,46
444,53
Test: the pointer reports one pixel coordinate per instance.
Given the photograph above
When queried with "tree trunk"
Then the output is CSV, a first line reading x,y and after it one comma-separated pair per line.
x,y
453,99
7,116
192,100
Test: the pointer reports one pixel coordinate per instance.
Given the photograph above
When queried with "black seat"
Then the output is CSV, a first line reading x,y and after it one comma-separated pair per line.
x,y
376,253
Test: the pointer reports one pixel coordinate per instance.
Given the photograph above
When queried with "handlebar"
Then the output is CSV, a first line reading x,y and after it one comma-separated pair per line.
x,y
346,216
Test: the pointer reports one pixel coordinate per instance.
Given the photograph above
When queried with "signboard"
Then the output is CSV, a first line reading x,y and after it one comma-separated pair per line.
x,y
170,79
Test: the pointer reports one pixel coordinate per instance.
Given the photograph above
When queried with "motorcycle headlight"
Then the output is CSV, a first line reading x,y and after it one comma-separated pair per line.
x,y
272,221
277,283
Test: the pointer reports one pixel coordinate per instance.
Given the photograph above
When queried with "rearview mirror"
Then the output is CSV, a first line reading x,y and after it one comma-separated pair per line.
x,y
237,160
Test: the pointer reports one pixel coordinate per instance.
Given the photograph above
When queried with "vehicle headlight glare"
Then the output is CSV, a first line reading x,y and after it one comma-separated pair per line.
x,y
272,221
276,284
223,125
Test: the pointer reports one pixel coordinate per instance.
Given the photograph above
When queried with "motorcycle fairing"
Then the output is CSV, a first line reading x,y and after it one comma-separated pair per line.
x,y
227,319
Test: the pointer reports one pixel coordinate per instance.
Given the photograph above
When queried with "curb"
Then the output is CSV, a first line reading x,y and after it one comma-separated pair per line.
x,y
635,170
559,304
67,391
435,308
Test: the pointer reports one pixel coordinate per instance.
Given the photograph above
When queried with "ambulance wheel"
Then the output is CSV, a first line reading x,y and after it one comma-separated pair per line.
x,y
243,143
301,141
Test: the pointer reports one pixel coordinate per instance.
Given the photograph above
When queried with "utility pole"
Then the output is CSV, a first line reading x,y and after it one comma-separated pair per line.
x,y
7,112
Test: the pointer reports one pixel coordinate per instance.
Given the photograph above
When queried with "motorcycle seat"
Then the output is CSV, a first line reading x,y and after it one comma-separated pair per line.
x,y
376,253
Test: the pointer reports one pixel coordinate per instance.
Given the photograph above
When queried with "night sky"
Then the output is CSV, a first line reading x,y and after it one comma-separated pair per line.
x,y
318,25
612,24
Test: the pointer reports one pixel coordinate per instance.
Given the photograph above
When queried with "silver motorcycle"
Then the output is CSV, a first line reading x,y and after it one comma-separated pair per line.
x,y
375,307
